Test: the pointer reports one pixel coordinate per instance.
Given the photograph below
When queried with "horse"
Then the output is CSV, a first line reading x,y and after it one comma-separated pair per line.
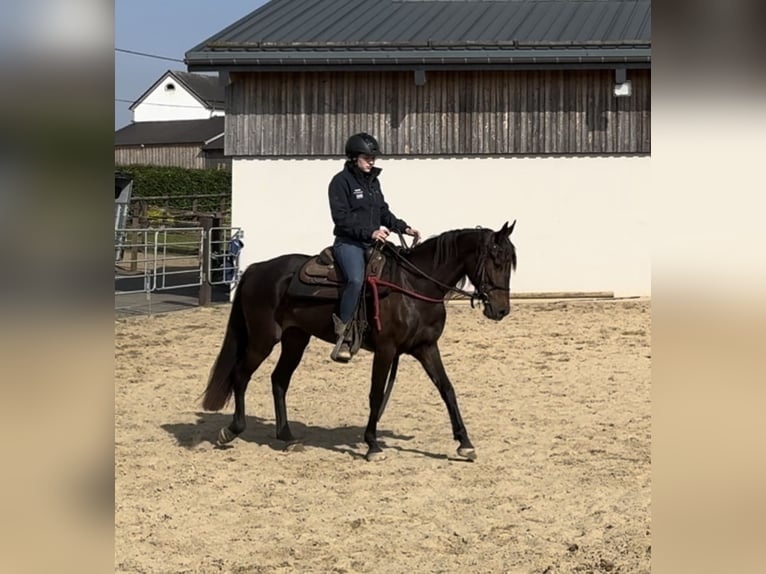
x,y
410,318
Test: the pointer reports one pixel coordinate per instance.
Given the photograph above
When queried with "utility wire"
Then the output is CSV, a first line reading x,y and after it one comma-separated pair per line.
x,y
154,104
147,55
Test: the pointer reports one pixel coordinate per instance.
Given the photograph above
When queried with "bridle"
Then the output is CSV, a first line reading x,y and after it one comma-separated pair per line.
x,y
481,291
485,285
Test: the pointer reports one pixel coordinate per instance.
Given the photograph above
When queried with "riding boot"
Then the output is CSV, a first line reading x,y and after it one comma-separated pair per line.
x,y
342,350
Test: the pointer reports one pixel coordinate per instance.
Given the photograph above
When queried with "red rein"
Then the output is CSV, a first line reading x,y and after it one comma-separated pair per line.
x,y
374,282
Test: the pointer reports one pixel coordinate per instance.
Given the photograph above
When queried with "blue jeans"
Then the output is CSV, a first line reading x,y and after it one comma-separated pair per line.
x,y
350,259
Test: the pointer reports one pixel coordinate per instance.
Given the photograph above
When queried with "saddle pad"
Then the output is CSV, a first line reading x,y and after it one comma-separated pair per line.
x,y
298,288
320,278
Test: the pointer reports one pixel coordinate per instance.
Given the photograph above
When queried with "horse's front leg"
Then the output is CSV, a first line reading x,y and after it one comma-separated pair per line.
x,y
431,360
381,365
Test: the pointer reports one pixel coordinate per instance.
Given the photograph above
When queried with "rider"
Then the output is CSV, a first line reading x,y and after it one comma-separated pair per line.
x,y
361,217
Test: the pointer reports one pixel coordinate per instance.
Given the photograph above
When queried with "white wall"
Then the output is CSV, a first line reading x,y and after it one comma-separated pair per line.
x,y
166,105
582,223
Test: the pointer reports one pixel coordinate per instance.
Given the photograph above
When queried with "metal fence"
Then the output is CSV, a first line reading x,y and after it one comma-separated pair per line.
x,y
176,265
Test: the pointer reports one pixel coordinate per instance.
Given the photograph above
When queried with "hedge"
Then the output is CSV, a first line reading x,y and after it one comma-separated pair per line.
x,y
153,181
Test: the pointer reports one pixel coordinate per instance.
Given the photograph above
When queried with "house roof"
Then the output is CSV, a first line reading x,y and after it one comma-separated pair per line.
x,y
168,133
375,34
205,88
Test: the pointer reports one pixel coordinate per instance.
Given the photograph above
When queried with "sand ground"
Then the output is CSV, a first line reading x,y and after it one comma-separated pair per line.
x,y
556,399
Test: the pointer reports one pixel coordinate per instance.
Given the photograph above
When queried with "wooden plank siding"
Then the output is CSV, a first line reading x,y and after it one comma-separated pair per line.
x,y
454,113
187,156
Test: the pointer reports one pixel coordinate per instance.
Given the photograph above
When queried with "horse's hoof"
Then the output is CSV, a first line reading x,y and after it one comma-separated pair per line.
x,y
375,456
295,446
225,436
467,453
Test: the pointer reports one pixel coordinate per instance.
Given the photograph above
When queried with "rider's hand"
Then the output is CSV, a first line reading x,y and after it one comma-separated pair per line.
x,y
414,233
380,234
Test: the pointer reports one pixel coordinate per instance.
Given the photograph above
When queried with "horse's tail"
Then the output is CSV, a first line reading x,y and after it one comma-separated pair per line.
x,y
219,387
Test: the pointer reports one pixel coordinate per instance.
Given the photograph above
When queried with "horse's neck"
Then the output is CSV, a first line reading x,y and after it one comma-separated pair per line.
x,y
448,271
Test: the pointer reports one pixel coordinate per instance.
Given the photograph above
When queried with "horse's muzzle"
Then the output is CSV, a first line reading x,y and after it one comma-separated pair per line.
x,y
496,314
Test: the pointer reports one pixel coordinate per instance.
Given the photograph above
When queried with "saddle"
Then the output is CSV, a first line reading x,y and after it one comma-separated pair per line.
x,y
321,278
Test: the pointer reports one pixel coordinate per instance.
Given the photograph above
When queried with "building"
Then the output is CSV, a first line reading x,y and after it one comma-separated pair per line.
x,y
180,96
178,121
487,111
196,144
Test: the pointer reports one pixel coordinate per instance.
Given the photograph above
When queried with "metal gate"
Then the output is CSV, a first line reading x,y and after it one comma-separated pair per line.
x,y
224,247
123,189
185,261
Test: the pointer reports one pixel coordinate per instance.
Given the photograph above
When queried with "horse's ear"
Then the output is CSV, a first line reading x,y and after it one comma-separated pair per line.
x,y
505,230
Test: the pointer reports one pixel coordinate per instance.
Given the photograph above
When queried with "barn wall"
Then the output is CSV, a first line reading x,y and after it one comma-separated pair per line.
x,y
583,222
214,159
188,156
460,113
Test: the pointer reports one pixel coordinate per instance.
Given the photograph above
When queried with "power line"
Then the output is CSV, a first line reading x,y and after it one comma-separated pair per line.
x,y
147,55
154,104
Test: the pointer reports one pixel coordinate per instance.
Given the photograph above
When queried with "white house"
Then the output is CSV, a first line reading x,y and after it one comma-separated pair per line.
x,y
180,96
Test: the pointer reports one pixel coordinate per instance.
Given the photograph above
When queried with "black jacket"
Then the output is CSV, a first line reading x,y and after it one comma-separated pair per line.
x,y
358,207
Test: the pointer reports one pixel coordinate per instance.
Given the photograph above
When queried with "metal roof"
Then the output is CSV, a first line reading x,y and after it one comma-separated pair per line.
x,y
170,132
306,33
208,88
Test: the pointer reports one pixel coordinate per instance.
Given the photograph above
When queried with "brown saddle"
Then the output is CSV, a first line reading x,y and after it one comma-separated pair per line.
x,y
321,278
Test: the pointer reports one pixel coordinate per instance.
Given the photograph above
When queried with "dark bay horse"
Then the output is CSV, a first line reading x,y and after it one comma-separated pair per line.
x,y
411,320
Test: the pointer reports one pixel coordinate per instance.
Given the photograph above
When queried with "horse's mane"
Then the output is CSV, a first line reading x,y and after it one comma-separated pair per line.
x,y
445,244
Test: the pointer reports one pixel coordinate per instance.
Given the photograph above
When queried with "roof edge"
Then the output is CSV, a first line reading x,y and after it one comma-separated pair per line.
x,y
205,103
406,59
172,73
149,90
423,44
215,137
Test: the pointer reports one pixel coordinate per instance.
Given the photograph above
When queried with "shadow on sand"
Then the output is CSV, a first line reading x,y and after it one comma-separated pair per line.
x,y
345,440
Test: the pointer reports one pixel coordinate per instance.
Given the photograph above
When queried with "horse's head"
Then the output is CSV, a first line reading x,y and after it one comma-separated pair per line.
x,y
492,274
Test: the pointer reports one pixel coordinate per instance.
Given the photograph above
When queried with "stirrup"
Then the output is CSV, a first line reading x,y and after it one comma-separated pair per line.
x,y
342,351
339,326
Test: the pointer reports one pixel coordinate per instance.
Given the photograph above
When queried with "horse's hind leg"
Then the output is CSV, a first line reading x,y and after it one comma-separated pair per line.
x,y
431,360
241,375
294,342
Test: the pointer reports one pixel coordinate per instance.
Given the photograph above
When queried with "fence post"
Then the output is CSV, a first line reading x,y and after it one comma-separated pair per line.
x,y
217,247
205,290
134,223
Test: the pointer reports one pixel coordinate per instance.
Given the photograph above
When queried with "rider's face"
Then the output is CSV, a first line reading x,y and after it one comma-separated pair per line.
x,y
365,162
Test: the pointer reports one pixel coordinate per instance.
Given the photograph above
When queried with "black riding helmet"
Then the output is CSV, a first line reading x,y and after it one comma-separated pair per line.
x,y
361,143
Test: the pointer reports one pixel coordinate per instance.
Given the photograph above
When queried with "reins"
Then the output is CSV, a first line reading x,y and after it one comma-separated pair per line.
x,y
478,294
374,282
407,263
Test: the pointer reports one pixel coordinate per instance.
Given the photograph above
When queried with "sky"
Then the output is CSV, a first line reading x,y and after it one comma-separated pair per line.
x,y
166,28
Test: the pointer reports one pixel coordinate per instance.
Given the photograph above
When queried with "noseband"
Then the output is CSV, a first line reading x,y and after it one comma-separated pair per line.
x,y
481,291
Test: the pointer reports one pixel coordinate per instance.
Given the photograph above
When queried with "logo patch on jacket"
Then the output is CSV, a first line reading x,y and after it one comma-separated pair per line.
x,y
358,193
